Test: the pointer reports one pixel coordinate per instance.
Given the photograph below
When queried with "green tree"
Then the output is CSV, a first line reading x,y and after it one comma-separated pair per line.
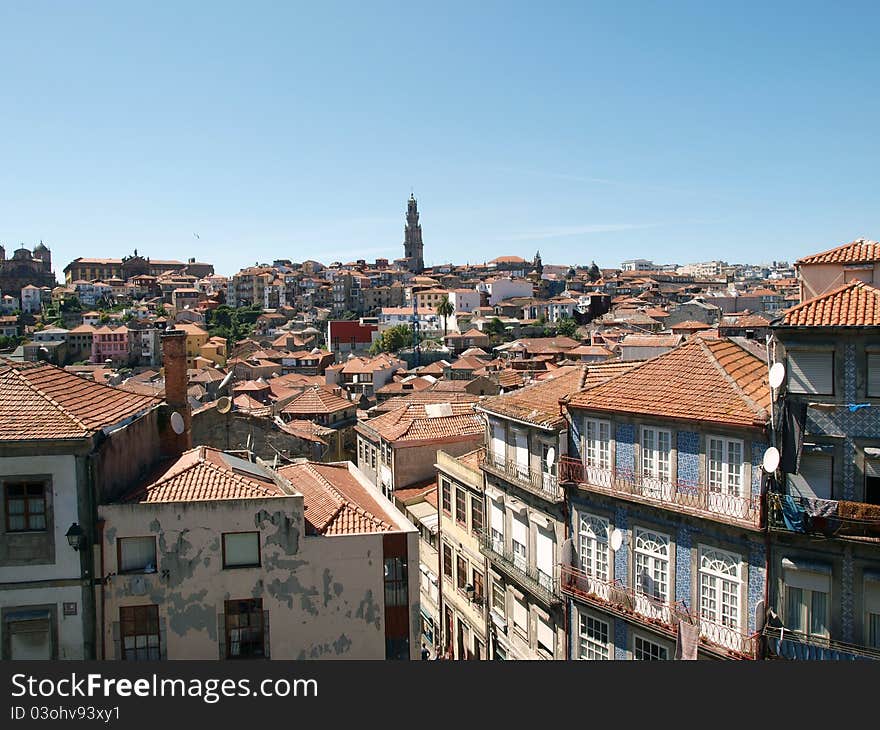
x,y
445,309
566,327
393,339
494,327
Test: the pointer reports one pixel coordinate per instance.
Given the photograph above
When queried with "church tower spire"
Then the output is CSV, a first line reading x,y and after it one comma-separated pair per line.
x,y
413,249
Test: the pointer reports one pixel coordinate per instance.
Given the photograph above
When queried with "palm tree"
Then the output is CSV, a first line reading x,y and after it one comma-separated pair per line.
x,y
445,309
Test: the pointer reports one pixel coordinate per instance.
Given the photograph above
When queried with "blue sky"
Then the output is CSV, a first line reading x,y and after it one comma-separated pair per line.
x,y
676,132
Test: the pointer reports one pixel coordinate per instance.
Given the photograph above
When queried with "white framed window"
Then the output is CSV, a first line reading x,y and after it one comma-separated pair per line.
x,y
720,587
496,526
521,614
544,557
498,599
656,454
597,443
546,634
521,451
811,372
498,446
725,466
652,564
647,650
593,638
807,600
594,546
519,542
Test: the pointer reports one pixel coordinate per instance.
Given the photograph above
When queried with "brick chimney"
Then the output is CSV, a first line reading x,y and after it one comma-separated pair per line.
x,y
174,361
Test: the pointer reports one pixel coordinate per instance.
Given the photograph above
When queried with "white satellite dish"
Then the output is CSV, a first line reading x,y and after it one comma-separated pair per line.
x,y
771,460
616,539
551,456
777,375
177,424
226,380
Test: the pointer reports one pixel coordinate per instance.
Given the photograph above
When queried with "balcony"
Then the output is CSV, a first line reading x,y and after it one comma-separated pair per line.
x,y
541,585
696,500
785,644
831,518
536,482
615,597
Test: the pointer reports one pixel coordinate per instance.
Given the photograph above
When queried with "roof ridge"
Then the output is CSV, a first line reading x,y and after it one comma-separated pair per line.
x,y
43,394
344,500
727,376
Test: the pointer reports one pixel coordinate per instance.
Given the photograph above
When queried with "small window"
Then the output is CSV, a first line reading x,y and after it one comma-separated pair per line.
x,y
447,497
521,615
244,629
646,650
546,634
139,632
25,506
594,644
461,507
462,572
447,561
811,372
498,602
241,549
136,554
477,514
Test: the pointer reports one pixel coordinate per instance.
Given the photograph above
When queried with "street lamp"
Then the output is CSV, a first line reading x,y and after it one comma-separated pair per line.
x,y
76,538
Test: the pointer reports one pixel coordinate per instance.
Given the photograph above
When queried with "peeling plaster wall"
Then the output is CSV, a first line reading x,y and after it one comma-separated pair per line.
x,y
324,595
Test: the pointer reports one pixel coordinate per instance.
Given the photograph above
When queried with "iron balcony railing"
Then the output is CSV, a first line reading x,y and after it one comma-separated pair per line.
x,y
614,596
726,506
832,518
786,644
539,583
536,481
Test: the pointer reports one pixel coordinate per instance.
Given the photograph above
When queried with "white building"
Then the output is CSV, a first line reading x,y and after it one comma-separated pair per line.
x,y
501,288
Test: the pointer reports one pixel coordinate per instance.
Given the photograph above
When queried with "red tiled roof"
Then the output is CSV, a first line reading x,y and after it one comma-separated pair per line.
x,y
857,252
690,325
429,422
426,396
203,474
317,400
855,304
703,380
336,503
539,403
41,401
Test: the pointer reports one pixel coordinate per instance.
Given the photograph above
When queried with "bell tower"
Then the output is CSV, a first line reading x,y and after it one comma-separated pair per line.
x,y
413,249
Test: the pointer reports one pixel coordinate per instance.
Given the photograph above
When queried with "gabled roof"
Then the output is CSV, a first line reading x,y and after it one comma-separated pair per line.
x,y
702,380
425,422
855,304
860,251
41,401
203,474
317,400
423,397
539,403
336,503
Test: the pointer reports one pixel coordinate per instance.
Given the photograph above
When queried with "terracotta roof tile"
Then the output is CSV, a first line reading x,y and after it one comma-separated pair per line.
x,y
702,380
317,400
855,304
41,401
425,422
336,502
203,474
539,403
859,251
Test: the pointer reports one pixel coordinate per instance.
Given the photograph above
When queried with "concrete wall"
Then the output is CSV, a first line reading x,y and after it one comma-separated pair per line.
x,y
324,595
816,279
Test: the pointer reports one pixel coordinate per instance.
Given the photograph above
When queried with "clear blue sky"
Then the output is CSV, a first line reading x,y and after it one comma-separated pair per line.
x,y
675,132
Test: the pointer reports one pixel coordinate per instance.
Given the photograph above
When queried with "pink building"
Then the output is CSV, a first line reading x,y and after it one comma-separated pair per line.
x,y
110,344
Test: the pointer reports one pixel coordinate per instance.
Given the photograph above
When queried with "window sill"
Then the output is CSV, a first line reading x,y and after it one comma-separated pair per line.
x,y
241,567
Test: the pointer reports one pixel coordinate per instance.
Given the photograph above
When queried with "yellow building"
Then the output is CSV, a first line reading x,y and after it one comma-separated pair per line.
x,y
196,338
214,350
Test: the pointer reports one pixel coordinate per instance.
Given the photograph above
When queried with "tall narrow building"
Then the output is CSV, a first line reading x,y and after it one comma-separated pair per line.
x,y
413,248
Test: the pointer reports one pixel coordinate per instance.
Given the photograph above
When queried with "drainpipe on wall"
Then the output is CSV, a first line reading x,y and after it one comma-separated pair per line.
x,y
101,577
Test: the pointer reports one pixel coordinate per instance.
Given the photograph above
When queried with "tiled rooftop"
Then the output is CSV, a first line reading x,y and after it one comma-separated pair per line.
x,y
203,474
857,252
41,401
539,403
418,422
317,400
702,380
855,304
336,502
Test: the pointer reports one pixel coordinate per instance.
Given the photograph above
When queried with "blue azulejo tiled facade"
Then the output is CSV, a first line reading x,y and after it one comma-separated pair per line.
x,y
640,620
